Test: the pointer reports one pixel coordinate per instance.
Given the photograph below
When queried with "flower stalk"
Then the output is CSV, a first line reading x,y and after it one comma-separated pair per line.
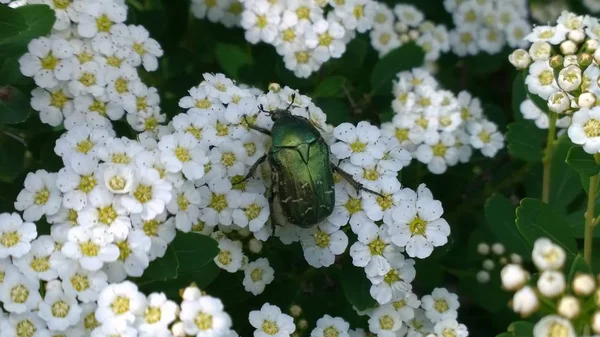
x,y
590,223
547,161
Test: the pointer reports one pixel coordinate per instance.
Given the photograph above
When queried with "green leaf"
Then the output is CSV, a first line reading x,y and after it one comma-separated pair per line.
x,y
193,251
582,162
400,59
9,70
563,178
232,58
525,141
501,216
11,22
14,106
336,109
519,94
12,157
578,266
330,87
161,269
521,329
39,20
356,286
536,219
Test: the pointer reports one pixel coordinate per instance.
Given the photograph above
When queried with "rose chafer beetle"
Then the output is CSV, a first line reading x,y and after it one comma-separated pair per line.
x,y
302,173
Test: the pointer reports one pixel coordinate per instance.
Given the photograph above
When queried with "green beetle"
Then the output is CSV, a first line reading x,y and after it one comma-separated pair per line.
x,y
302,173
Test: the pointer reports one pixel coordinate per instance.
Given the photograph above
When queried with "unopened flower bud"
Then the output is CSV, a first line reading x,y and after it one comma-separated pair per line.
x,y
568,47
556,62
498,248
401,27
597,56
551,283
584,60
520,59
586,100
540,50
483,248
547,255
559,102
191,293
584,284
569,78
274,87
488,264
413,34
404,38
590,46
503,260
570,60
516,258
244,232
525,301
596,322
302,324
513,277
483,276
295,310
568,307
576,36
177,330
255,246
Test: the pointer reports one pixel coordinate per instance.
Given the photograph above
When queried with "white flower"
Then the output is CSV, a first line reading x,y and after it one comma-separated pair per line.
x,y
450,327
81,139
229,157
106,211
133,257
230,256
118,179
302,62
438,152
120,301
52,103
204,316
559,101
253,212
331,326
418,225
395,283
214,11
100,18
513,277
48,61
91,247
326,36
464,41
115,328
157,316
39,197
348,208
59,310
374,251
569,307
525,301
145,50
29,321
440,305
547,255
385,321
547,325
357,14
405,305
270,321
540,51
120,82
88,78
82,283
219,200
554,35
260,22
141,99
149,194
38,262
516,32
257,275
569,78
540,80
322,243
184,204
15,235
360,144
78,179
19,293
181,152
160,231
384,39
551,283
485,136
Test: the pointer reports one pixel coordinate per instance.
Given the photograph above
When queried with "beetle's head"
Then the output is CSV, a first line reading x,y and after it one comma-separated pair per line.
x,y
277,113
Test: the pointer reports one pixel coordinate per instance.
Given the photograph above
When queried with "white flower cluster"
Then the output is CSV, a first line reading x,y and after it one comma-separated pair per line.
x,y
306,33
437,127
563,68
405,23
569,300
487,26
494,254
86,69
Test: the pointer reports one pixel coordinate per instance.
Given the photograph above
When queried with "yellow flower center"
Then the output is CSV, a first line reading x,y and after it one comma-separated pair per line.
x,y
107,214
124,250
237,183
546,77
80,282
182,202
380,18
9,239
466,38
222,129
370,174
114,61
377,246
117,183
391,277
121,85
401,134
289,35
253,211
40,263
49,62
143,193
485,136
87,79
120,158
546,34
151,227
58,99
302,57
358,11
139,48
90,322
399,304
203,321
72,216
151,123
236,8
591,128
470,16
85,146
182,154
325,39
198,226
228,159
358,146
448,333
87,183
218,202
99,107
321,239
270,327
25,328
261,21
120,305
152,315
141,104
194,131
41,196
89,248
103,24
250,149
440,305
417,226
60,309
558,330
353,206
256,275
224,257
61,4
303,13
19,294
84,57
386,322
330,331
439,150
384,38
385,202
203,103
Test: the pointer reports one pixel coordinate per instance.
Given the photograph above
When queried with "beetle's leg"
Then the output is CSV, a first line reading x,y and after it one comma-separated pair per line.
x,y
252,169
257,128
356,184
271,200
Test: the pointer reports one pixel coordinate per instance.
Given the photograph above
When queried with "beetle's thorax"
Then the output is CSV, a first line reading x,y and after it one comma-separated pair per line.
x,y
292,131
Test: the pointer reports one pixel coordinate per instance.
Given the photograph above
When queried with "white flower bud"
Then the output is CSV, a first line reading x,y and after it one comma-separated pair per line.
x,y
400,27
547,255
540,50
570,60
520,59
569,78
274,87
586,100
597,56
295,310
483,248
413,34
498,248
525,301
513,277
404,38
596,322
584,284
178,330
576,36
516,258
255,246
482,276
559,102
569,307
488,264
302,324
191,293
568,47
591,46
551,283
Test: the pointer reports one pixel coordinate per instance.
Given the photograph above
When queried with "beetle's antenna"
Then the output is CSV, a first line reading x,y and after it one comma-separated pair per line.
x,y
292,102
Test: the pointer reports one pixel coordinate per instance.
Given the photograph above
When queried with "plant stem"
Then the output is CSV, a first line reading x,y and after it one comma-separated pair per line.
x,y
547,161
589,220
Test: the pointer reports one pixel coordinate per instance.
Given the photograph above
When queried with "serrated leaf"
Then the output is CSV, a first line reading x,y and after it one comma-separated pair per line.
x,y
232,58
332,86
563,178
11,22
578,266
521,329
536,219
39,20
14,106
583,162
9,70
356,286
193,251
525,141
161,269
501,216
403,58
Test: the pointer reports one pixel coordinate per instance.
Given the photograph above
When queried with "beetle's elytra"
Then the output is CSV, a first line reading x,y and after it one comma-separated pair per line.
x,y
301,170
